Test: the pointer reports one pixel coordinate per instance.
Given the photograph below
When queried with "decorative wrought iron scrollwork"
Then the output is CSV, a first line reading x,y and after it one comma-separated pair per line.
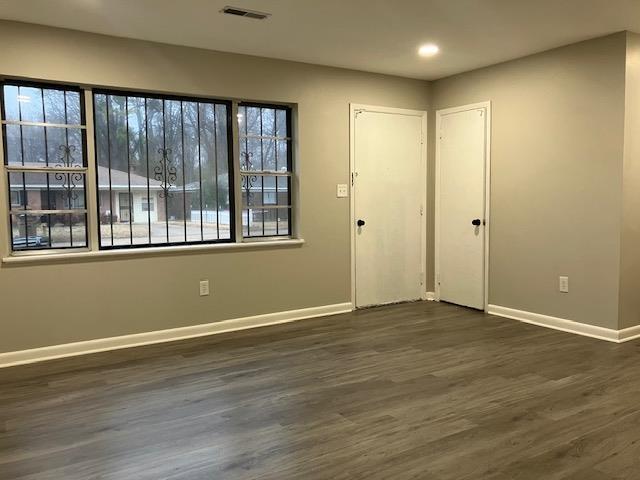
x,y
70,180
165,172
248,181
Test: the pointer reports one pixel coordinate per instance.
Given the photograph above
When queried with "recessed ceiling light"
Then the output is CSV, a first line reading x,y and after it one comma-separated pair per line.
x,y
428,50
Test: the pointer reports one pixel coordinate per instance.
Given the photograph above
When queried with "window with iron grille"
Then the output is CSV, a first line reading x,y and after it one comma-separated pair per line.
x,y
265,169
163,170
44,136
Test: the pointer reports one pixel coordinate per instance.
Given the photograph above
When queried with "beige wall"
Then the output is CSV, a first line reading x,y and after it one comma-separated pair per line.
x,y
53,304
557,145
630,235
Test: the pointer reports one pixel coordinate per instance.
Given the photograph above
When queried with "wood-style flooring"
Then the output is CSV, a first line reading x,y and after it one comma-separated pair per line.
x,y
414,391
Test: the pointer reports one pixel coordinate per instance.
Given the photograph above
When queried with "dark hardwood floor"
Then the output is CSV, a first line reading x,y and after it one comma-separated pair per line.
x,y
414,391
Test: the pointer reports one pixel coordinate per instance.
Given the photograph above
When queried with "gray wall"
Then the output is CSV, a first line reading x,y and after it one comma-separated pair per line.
x,y
53,304
557,201
557,145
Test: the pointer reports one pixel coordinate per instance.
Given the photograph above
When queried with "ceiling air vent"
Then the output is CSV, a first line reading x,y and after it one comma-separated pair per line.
x,y
241,12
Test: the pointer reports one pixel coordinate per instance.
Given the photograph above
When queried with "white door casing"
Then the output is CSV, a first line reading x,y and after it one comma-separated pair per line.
x,y
388,172
462,197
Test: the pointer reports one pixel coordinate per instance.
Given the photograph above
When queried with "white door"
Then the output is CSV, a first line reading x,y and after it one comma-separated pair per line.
x,y
460,205
388,192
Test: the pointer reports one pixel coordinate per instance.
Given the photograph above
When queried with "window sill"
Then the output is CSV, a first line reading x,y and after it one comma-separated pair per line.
x,y
147,252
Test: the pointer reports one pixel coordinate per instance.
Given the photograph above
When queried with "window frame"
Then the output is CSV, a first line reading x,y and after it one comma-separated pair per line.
x,y
230,160
7,169
91,185
290,173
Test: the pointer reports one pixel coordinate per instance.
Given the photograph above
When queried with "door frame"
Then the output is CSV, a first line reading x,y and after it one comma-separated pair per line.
x,y
487,192
354,109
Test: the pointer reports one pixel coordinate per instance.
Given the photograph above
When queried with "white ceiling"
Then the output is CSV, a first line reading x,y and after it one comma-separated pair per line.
x,y
372,35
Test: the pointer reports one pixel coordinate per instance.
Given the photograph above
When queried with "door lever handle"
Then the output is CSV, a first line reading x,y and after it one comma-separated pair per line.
x,y
476,222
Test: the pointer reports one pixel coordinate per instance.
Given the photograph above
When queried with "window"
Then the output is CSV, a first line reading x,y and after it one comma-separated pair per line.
x,y
265,169
147,204
17,198
45,160
169,156
163,171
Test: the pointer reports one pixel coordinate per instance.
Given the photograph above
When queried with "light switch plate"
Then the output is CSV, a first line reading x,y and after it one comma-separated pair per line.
x,y
342,191
204,288
563,284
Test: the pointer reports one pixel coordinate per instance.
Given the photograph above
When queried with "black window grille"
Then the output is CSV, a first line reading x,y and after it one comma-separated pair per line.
x,y
164,170
266,169
44,134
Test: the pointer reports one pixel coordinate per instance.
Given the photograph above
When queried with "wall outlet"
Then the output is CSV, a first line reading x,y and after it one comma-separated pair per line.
x,y
342,190
204,288
563,284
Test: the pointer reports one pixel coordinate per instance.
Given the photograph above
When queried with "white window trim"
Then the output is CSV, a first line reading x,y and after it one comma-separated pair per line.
x,y
93,251
57,256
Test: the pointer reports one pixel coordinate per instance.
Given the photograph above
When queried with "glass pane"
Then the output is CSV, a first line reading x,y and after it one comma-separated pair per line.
x,y
268,122
13,145
10,94
283,221
269,155
32,232
105,201
40,146
260,222
47,191
155,138
251,190
192,171
68,231
269,190
222,149
252,125
54,106
282,161
283,189
281,123
74,108
270,218
174,172
208,157
29,232
30,107
143,204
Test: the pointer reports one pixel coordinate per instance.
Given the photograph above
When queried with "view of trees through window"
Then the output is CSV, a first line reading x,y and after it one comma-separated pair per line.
x,y
163,170
45,157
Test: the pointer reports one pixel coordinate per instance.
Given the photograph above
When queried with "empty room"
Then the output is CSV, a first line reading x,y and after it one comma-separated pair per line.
x,y
320,239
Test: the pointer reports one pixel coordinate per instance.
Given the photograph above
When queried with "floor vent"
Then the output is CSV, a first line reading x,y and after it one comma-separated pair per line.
x,y
241,12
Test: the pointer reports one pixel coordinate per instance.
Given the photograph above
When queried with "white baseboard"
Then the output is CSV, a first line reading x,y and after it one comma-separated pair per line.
x,y
564,324
21,357
431,296
630,333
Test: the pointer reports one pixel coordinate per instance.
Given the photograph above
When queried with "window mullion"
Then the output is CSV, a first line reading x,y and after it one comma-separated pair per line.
x,y
5,203
237,177
91,178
